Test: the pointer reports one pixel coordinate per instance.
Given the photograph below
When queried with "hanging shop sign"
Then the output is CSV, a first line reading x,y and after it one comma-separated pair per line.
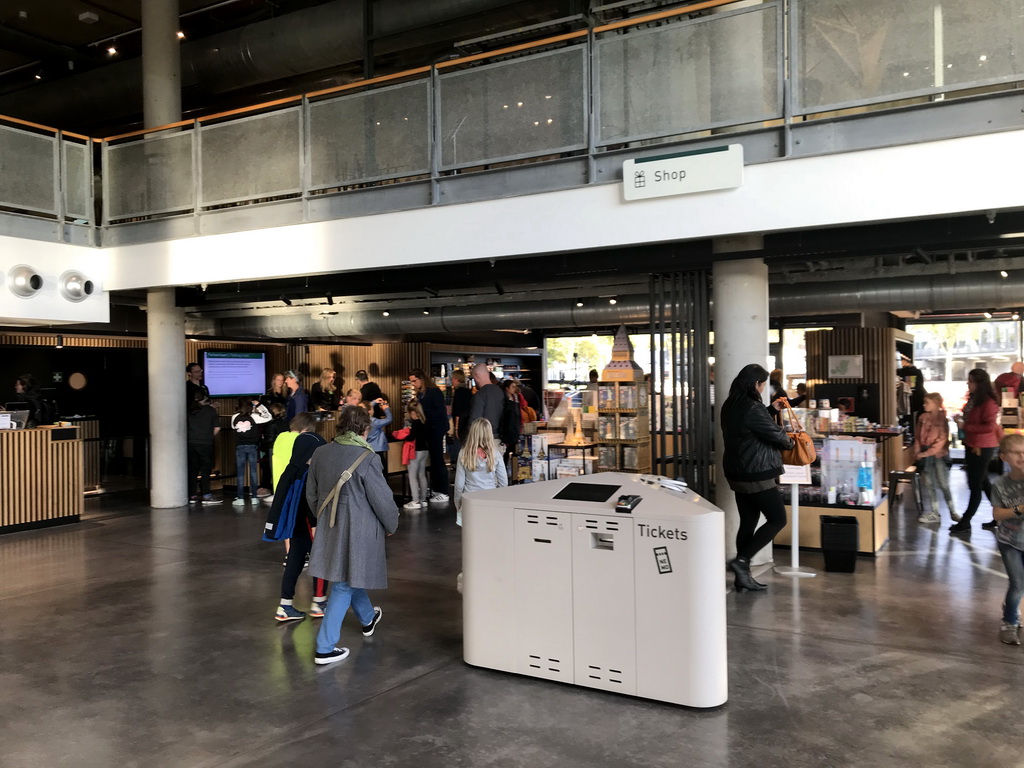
x,y
683,173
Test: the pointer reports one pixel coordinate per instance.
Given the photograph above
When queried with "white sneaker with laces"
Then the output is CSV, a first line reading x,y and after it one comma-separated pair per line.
x,y
439,497
412,506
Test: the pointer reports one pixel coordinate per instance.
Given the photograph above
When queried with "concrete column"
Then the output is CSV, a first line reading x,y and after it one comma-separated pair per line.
x,y
165,329
740,292
161,63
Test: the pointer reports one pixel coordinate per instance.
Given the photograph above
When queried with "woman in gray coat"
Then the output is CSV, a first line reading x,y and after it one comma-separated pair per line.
x,y
348,549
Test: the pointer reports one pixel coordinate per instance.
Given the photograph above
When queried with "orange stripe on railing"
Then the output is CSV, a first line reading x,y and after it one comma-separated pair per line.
x,y
513,49
371,81
662,15
142,131
242,110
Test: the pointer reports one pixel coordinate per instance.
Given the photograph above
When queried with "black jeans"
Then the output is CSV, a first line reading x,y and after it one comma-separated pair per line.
x,y
200,463
751,506
301,544
438,467
977,478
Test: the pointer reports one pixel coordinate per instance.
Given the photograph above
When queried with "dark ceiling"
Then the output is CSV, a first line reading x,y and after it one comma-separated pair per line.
x,y
55,67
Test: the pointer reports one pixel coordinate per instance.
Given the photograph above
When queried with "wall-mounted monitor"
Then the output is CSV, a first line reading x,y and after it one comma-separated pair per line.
x,y
228,373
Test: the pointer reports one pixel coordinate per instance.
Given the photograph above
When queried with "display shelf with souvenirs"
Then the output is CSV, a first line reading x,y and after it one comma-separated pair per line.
x,y
547,456
623,426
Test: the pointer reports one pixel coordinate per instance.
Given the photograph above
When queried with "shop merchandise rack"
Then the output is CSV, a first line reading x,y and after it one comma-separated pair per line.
x,y
623,427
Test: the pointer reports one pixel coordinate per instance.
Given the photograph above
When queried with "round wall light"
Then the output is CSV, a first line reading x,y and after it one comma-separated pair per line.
x,y
74,286
24,281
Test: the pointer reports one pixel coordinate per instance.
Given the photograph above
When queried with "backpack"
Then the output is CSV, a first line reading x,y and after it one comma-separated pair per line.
x,y
508,424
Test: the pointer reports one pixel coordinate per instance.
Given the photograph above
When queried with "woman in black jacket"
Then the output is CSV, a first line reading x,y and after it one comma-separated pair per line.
x,y
752,462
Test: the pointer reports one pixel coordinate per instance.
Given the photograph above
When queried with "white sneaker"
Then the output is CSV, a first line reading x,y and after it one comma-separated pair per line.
x,y
439,497
931,517
412,506
239,502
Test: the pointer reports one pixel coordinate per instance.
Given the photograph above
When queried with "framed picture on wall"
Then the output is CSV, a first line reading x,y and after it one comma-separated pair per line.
x,y
845,366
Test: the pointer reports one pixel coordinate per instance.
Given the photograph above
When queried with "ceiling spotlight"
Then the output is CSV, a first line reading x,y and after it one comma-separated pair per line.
x,y
39,75
426,311
60,342
23,281
330,299
181,35
613,301
74,286
499,289
1015,315
386,313
579,303
1003,273
112,51
988,315
286,300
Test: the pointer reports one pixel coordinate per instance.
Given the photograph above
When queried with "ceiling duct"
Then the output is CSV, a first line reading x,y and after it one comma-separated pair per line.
x,y
921,293
299,43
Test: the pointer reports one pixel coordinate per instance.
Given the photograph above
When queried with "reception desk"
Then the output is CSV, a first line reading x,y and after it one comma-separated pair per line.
x,y
41,478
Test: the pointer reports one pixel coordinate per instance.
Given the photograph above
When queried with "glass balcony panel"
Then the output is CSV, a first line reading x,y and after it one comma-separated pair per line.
x,y
524,108
689,76
982,41
77,181
381,134
252,158
27,170
863,51
149,176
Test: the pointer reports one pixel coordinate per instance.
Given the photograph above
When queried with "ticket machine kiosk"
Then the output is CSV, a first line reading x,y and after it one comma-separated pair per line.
x,y
607,581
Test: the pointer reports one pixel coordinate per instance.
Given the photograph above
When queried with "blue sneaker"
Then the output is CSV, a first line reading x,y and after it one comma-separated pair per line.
x,y
289,613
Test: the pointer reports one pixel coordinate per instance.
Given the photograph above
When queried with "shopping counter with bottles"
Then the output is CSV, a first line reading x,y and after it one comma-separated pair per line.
x,y
41,477
845,480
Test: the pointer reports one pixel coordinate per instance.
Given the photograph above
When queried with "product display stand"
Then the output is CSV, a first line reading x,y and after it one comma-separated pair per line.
x,y
794,568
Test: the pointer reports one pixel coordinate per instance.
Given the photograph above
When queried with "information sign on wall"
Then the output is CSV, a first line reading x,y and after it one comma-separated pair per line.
x,y
683,173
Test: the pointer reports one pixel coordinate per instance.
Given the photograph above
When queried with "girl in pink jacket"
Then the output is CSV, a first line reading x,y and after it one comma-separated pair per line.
x,y
931,445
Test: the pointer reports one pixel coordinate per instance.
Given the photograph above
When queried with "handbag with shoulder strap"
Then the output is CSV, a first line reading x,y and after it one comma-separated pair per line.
x,y
802,453
335,494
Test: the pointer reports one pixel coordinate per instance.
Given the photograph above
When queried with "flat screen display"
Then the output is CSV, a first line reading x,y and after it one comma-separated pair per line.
x,y
229,374
587,492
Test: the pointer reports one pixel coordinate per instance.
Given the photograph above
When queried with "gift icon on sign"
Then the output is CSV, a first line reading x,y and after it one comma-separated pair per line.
x,y
639,179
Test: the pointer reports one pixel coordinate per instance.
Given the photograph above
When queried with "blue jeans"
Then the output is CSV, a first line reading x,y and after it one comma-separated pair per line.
x,y
245,453
342,595
1013,561
935,474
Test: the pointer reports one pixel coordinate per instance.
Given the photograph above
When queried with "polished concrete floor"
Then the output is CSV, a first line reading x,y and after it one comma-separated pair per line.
x,y
140,638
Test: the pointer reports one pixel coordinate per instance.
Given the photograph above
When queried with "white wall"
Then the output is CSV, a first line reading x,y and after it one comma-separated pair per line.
x,y
50,261
945,177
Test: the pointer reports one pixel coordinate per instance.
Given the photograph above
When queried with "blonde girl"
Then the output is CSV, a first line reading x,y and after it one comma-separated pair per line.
x,y
480,467
419,437
323,394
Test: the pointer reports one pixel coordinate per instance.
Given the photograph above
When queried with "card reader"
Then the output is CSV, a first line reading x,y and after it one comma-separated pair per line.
x,y
627,502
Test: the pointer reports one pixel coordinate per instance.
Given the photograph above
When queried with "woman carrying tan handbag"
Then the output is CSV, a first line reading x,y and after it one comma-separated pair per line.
x,y
752,462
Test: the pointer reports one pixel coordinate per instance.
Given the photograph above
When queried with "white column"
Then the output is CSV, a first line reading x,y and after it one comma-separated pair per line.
x,y
740,293
161,63
165,328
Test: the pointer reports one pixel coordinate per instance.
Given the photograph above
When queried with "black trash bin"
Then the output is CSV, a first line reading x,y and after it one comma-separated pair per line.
x,y
839,537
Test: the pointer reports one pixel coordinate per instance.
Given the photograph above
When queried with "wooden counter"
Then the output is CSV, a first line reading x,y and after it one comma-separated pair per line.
x,y
873,526
41,478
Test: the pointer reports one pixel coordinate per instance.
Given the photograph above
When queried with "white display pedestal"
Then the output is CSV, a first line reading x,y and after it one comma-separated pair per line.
x,y
795,477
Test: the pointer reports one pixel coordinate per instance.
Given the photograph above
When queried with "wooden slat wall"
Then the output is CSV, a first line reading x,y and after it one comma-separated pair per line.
x,y
50,340
42,479
878,348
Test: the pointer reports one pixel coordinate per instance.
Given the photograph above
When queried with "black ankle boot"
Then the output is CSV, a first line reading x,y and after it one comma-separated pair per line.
x,y
744,581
